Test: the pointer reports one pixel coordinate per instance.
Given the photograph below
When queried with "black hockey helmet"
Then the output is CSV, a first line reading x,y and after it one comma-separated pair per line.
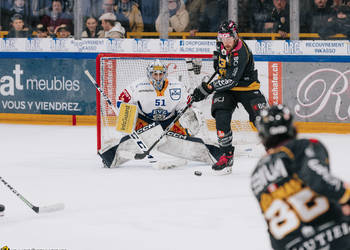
x,y
275,124
229,28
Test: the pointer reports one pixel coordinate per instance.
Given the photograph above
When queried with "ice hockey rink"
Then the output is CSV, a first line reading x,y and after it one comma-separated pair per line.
x,y
132,207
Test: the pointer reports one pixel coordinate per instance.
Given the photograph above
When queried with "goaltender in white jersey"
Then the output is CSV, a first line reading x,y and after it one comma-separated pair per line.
x,y
159,99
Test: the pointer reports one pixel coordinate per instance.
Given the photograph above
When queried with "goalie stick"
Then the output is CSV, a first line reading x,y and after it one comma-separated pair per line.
x,y
134,136
41,209
166,130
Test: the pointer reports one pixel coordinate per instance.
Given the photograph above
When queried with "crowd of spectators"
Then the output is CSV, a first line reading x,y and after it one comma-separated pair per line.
x,y
115,18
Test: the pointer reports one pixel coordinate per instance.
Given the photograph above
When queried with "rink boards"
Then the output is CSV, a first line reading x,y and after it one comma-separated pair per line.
x,y
49,87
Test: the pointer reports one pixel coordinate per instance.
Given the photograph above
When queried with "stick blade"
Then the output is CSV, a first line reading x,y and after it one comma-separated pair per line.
x,y
49,208
140,156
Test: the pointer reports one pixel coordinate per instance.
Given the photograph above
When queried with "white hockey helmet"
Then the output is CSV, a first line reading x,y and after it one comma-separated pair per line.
x,y
157,67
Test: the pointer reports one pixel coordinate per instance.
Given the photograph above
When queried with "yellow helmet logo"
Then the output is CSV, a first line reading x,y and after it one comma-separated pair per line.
x,y
158,67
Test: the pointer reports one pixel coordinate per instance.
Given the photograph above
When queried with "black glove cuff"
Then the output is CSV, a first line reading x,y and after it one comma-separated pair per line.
x,y
204,88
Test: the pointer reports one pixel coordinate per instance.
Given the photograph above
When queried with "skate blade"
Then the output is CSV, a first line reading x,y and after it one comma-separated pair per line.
x,y
225,171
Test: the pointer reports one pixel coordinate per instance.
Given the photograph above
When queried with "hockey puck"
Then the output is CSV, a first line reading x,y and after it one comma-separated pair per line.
x,y
198,173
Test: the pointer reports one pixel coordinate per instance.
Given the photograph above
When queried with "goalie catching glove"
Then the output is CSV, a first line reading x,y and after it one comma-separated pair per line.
x,y
205,88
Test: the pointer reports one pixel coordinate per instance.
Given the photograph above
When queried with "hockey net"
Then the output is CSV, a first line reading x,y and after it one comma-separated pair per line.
x,y
115,71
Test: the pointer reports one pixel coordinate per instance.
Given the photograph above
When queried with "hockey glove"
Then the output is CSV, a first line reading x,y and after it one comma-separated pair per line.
x,y
202,91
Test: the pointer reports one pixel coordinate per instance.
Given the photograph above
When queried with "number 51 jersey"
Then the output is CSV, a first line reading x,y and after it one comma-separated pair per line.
x,y
156,105
300,199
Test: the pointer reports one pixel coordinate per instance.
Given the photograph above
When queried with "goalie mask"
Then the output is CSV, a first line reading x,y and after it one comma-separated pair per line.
x,y
275,125
157,73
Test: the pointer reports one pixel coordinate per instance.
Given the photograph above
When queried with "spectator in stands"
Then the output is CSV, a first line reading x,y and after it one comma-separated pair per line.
x,y
18,7
305,9
63,31
99,7
244,15
68,6
57,17
129,15
261,19
40,7
280,17
150,11
178,16
111,28
338,23
318,17
41,31
92,28
18,29
108,6
195,10
6,4
214,14
337,4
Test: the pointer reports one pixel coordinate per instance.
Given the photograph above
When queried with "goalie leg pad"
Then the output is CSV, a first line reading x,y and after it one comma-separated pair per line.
x,y
186,147
114,155
110,158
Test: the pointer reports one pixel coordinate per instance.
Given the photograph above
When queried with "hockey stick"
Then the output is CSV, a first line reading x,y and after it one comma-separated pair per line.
x,y
41,209
166,130
139,142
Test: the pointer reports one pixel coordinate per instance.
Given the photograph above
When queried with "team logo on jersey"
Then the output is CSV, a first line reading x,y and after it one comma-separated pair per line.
x,y
159,114
175,94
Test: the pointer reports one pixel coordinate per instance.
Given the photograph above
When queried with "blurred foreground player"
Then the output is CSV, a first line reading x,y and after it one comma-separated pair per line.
x,y
159,98
238,83
304,205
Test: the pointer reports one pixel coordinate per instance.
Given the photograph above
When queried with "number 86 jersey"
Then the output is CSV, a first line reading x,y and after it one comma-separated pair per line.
x,y
156,105
300,199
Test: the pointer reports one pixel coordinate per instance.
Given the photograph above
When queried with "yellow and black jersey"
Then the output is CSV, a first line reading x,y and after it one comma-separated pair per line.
x,y
238,66
299,197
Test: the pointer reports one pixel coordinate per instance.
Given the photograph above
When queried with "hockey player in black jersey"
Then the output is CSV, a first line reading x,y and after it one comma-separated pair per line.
x,y
304,205
238,83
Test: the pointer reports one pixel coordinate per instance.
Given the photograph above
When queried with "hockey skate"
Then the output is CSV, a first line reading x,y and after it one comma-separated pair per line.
x,y
2,210
224,164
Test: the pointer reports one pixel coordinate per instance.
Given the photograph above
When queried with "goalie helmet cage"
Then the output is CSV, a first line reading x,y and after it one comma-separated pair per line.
x,y
114,71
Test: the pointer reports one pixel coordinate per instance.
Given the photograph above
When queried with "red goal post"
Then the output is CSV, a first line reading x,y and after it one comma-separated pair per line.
x,y
114,71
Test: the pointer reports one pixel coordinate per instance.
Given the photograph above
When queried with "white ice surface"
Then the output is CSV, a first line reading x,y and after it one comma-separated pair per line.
x,y
133,207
